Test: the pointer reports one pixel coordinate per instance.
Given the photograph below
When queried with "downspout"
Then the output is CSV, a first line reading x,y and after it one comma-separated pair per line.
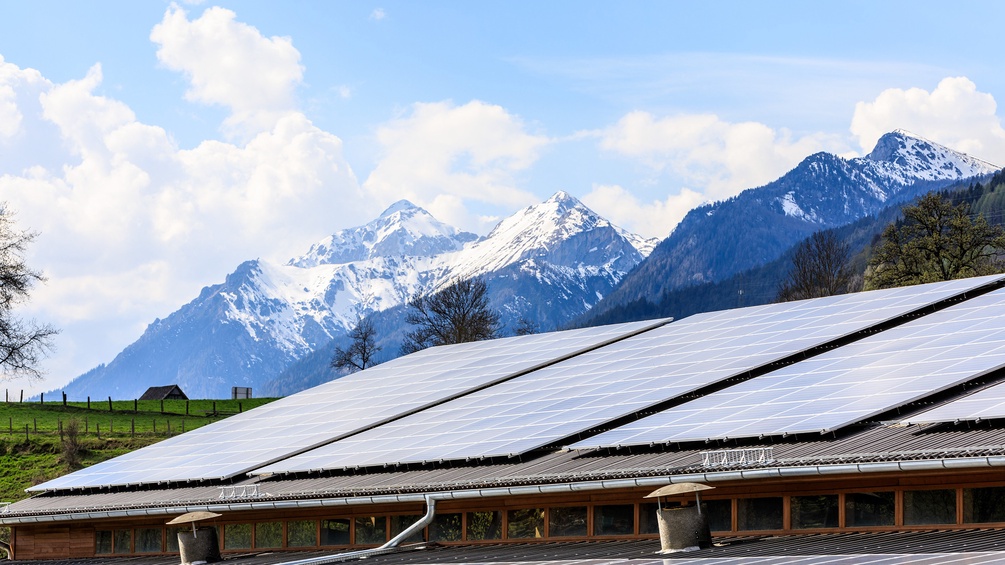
x,y
389,547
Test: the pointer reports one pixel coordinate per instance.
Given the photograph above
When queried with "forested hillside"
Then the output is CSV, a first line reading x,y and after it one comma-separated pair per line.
x,y
760,285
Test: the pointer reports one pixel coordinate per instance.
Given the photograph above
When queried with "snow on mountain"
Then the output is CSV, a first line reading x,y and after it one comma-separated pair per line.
x,y
715,241
906,158
548,263
403,230
537,231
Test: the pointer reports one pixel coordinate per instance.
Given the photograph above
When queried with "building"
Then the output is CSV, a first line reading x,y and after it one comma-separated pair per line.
x,y
169,392
836,418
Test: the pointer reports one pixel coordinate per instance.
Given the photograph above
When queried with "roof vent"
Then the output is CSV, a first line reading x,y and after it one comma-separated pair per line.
x,y
737,457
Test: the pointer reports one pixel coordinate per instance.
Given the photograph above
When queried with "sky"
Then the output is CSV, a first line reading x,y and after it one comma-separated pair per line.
x,y
155,146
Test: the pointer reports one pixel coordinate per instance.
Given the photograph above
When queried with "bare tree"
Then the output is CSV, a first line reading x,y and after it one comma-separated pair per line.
x,y
23,343
820,267
362,349
525,326
459,313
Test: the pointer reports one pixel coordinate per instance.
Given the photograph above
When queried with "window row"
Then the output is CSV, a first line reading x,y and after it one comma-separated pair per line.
x,y
821,511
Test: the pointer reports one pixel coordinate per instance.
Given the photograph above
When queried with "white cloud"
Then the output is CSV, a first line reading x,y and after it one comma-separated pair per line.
x,y
131,226
711,156
378,14
231,64
442,155
649,219
955,114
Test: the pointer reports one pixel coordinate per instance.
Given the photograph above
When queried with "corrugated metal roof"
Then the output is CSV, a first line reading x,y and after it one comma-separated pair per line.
x,y
866,444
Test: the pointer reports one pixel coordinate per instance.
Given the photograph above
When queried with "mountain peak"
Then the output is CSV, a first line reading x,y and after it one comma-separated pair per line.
x,y
399,206
923,159
403,230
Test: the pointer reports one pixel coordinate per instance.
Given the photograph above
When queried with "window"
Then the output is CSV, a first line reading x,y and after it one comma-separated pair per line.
x,y
269,534
929,507
123,541
525,523
759,513
720,514
869,509
401,522
171,536
983,505
335,531
648,523
301,533
103,542
565,521
484,525
614,520
237,536
148,540
819,511
371,529
445,527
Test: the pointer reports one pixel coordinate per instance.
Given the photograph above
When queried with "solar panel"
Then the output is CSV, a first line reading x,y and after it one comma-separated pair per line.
x,y
544,406
839,387
984,404
281,428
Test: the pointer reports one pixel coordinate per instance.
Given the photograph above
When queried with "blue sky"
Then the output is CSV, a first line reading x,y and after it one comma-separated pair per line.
x,y
155,145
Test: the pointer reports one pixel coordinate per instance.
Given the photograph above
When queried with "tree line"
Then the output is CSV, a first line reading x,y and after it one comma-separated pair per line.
x,y
936,239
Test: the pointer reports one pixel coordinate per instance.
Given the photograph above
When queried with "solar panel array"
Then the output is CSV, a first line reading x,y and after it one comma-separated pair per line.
x,y
237,444
984,404
842,386
544,406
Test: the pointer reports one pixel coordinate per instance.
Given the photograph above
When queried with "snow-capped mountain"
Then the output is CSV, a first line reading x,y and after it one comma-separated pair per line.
x,y
715,241
403,230
547,263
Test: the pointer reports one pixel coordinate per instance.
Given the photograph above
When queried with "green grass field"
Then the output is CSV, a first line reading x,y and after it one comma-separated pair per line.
x,y
32,449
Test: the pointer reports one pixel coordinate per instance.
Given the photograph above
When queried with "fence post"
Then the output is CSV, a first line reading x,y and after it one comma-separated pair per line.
x,y
85,424
41,398
64,399
214,408
186,408
155,426
169,428
162,406
97,429
136,406
88,402
22,395
109,403
240,408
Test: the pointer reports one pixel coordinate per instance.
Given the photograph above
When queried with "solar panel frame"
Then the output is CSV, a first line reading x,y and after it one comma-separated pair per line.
x,y
591,389
838,388
240,443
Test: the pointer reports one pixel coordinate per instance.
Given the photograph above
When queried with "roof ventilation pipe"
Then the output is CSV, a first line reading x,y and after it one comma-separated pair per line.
x,y
389,547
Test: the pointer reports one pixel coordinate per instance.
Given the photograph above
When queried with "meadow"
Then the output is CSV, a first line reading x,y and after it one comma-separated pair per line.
x,y
41,441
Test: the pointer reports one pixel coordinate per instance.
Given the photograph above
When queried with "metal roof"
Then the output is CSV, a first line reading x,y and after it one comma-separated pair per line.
x,y
867,444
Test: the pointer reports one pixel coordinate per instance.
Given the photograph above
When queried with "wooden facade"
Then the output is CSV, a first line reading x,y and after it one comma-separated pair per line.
x,y
949,498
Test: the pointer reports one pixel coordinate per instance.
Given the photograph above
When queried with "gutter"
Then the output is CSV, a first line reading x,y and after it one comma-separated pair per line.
x,y
558,488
